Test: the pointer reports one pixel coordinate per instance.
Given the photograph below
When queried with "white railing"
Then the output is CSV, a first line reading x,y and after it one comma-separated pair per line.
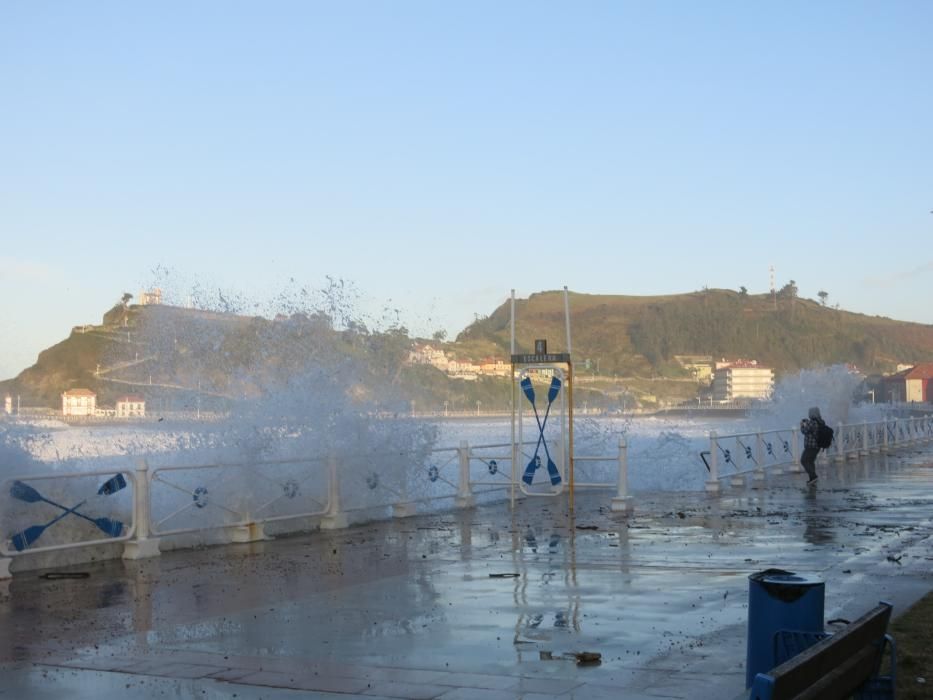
x,y
239,499
192,498
38,502
736,456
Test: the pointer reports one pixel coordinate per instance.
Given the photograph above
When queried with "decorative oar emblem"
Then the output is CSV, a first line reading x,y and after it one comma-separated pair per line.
x,y
535,462
26,493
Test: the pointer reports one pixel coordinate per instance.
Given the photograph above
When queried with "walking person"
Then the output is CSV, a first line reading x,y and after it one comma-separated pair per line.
x,y
810,427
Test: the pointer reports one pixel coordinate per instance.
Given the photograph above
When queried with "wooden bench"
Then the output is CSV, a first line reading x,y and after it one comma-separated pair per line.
x,y
831,667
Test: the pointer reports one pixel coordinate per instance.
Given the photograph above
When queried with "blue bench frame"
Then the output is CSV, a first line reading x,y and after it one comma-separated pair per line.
x,y
824,666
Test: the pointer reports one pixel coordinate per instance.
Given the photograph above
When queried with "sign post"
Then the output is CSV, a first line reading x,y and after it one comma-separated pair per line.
x,y
542,474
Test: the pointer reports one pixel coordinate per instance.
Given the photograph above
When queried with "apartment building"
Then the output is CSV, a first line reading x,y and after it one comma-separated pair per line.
x,y
742,379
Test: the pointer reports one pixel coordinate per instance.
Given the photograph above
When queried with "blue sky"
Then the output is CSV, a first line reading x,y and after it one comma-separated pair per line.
x,y
437,154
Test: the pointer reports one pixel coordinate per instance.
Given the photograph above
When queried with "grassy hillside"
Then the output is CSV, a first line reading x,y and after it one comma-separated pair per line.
x,y
639,336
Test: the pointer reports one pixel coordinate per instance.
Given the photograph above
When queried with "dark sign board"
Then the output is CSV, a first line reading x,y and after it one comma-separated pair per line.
x,y
536,359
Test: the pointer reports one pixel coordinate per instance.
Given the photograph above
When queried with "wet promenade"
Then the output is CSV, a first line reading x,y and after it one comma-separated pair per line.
x,y
487,603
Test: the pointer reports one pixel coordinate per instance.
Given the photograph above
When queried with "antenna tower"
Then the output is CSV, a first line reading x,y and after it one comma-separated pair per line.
x,y
773,293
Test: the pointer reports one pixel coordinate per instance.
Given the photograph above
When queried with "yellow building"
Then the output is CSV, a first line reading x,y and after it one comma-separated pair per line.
x,y
79,402
131,407
742,379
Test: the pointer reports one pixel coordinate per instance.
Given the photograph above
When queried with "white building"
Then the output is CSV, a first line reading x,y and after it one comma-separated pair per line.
x,y
495,368
131,407
153,296
428,355
79,402
742,380
463,369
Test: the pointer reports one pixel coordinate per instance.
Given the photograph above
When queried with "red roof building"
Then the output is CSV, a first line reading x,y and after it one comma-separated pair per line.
x,y
911,385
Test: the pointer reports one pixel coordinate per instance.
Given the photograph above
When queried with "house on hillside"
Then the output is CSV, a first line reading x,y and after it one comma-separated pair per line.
x,y
428,355
131,407
495,367
912,385
463,369
153,296
742,379
79,402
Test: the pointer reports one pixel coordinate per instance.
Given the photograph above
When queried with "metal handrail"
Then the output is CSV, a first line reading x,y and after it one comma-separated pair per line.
x,y
243,518
143,478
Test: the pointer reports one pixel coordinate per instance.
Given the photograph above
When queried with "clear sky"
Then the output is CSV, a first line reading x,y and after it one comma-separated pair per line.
x,y
437,154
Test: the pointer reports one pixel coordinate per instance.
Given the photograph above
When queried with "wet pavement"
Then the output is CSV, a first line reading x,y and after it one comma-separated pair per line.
x,y
485,603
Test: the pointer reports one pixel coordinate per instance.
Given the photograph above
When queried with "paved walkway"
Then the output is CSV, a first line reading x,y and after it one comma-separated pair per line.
x,y
485,603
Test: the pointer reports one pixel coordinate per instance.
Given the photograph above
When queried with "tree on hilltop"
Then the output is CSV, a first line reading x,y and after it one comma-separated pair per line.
x,y
788,291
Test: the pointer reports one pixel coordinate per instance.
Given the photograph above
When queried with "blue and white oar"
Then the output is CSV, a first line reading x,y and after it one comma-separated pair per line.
x,y
535,462
26,493
23,539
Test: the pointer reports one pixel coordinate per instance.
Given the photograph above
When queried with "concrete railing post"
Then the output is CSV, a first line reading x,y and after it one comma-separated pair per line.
x,y
712,483
622,501
852,449
142,546
737,480
250,532
794,467
405,508
839,450
863,449
884,442
335,518
465,498
759,476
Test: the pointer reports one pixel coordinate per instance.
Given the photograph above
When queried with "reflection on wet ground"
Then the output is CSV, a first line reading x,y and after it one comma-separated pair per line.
x,y
481,603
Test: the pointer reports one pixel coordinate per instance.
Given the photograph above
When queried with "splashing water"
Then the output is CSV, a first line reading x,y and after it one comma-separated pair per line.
x,y
317,382
830,388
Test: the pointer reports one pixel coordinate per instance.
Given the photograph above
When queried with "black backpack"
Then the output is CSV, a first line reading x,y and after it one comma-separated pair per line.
x,y
824,436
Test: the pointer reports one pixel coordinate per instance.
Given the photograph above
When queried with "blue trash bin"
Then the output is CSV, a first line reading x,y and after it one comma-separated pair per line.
x,y
779,600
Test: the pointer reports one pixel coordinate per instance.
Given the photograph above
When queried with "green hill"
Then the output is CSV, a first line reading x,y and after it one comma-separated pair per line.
x,y
640,336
